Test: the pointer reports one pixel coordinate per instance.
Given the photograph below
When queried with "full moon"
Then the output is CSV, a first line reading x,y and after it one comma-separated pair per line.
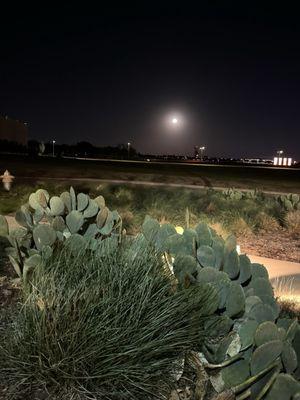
x,y
174,121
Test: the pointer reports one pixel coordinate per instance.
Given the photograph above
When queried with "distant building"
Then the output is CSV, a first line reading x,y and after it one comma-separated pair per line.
x,y
13,130
283,161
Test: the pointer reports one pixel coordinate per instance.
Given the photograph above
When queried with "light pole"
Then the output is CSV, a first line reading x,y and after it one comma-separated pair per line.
x,y
201,152
53,143
279,152
128,149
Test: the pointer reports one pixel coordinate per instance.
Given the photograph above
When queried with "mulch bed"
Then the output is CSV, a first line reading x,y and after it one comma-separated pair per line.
x,y
278,245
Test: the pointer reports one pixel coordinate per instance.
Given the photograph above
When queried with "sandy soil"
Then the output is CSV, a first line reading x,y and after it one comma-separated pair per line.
x,y
278,245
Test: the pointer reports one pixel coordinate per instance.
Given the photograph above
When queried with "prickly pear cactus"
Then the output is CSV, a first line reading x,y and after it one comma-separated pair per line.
x,y
233,194
252,350
289,202
46,222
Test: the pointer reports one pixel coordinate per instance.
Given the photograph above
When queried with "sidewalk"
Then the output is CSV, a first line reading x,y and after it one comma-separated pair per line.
x,y
277,268
284,277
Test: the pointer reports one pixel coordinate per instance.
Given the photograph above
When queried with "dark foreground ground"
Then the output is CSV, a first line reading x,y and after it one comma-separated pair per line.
x,y
262,178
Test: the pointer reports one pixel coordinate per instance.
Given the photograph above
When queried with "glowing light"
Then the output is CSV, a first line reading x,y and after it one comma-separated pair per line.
x,y
174,122
283,161
179,229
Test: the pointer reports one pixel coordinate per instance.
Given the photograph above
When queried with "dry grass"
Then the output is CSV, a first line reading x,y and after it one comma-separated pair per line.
x,y
284,288
220,229
240,227
292,221
289,299
289,308
266,222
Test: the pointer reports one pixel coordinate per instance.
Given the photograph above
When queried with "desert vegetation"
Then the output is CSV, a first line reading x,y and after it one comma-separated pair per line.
x,y
245,214
107,313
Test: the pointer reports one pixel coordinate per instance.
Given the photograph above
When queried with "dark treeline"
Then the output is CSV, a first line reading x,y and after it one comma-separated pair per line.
x,y
12,147
120,152
81,149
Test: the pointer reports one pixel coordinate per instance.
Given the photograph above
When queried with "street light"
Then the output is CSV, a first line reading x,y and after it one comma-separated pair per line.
x,y
53,143
279,152
128,148
201,152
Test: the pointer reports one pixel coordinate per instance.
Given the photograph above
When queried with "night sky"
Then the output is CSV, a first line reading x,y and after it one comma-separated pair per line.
x,y
230,73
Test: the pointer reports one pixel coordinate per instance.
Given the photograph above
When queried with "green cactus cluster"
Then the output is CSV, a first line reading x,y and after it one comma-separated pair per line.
x,y
289,202
46,222
234,194
253,351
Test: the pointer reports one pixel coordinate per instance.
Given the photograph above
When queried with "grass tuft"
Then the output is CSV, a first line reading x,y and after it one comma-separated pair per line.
x,y
107,324
292,221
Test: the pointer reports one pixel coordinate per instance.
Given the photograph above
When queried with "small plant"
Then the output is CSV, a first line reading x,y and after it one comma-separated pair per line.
x,y
234,194
240,227
265,222
289,202
106,324
47,222
292,222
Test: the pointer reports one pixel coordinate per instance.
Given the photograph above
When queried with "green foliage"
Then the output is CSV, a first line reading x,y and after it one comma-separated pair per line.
x,y
289,202
254,211
264,355
105,324
256,342
3,226
284,387
48,222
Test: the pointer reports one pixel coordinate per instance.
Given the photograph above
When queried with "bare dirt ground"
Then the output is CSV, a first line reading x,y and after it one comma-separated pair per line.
x,y
278,244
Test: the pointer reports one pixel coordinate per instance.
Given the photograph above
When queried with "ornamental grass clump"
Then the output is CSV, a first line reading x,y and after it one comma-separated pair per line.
x,y
108,324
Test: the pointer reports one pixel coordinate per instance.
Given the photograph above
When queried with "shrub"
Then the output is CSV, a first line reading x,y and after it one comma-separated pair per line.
x,y
48,222
292,221
289,309
123,196
240,227
127,220
107,323
266,222
254,350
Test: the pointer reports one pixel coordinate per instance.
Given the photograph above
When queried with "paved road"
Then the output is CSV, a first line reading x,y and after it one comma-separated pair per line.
x,y
198,164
